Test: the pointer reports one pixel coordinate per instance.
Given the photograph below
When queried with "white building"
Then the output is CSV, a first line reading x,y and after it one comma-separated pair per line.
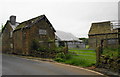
x,y
68,39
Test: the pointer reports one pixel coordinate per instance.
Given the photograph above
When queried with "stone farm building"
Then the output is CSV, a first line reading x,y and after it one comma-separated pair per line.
x,y
105,34
18,37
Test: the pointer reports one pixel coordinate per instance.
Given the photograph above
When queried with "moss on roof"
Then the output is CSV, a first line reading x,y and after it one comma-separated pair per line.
x,y
32,21
101,28
20,26
28,22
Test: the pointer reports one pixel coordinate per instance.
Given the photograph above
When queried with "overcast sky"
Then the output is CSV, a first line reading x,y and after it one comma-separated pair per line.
x,y
74,16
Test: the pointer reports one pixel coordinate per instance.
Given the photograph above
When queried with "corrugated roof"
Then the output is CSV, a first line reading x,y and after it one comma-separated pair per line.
x,y
65,36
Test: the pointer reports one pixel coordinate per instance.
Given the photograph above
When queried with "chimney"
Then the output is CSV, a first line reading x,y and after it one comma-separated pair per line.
x,y
13,19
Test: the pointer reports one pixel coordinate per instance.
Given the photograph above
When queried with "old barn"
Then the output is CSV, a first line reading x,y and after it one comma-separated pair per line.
x,y
20,39
105,34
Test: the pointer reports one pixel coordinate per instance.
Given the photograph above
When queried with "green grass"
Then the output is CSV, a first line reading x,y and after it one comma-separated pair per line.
x,y
87,50
84,58
78,62
83,53
91,53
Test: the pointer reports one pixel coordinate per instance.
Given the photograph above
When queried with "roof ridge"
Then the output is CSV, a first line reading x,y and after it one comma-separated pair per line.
x,y
32,19
29,22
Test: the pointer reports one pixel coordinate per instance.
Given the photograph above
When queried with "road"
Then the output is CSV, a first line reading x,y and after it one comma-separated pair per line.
x,y
12,65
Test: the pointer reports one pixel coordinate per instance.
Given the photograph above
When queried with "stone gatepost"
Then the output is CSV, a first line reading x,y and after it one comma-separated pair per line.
x,y
98,54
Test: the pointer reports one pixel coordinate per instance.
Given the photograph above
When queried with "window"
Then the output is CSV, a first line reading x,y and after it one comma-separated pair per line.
x,y
42,32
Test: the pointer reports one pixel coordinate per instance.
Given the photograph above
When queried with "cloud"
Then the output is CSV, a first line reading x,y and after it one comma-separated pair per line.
x,y
73,16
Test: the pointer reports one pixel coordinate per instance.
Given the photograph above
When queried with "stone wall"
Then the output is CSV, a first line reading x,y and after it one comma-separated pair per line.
x,y
18,41
112,64
7,39
100,31
45,40
108,59
24,37
95,40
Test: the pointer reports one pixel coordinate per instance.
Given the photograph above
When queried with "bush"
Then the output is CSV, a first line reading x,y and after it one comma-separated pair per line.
x,y
45,52
59,60
35,45
111,52
68,56
60,55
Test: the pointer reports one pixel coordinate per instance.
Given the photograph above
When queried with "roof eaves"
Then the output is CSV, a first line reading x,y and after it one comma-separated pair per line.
x,y
5,26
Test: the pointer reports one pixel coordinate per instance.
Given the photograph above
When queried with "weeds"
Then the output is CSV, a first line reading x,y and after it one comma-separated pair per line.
x,y
73,59
111,52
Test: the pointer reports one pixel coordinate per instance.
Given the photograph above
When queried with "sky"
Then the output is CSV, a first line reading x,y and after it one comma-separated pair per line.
x,y
74,16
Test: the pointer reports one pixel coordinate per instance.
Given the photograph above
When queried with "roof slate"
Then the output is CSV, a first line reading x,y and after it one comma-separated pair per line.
x,y
29,22
32,21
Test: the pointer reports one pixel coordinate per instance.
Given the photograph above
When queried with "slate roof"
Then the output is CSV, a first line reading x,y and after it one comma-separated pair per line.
x,y
29,22
32,21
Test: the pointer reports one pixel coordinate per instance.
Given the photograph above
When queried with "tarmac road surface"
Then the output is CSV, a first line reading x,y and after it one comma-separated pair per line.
x,y
12,65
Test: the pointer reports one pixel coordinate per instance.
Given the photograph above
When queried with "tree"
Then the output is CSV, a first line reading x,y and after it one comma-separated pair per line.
x,y
85,40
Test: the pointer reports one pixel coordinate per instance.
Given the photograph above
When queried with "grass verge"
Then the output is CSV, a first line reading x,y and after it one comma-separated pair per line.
x,y
77,58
